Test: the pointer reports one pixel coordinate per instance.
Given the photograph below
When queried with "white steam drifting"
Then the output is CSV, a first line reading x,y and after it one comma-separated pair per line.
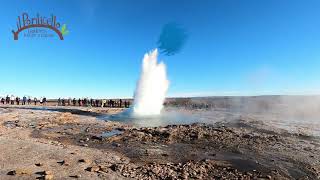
x,y
152,86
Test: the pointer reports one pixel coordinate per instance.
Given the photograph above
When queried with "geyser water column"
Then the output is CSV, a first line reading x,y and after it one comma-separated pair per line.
x,y
152,86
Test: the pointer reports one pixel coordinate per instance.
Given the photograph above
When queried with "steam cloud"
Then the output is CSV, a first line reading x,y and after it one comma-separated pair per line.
x,y
152,86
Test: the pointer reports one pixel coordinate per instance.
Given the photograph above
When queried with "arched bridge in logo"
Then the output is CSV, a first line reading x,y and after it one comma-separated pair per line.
x,y
56,30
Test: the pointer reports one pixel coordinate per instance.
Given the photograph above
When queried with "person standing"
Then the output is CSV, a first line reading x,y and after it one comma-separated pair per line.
x,y
7,99
24,100
44,101
120,103
85,102
35,101
29,100
59,102
74,101
18,100
69,102
12,98
96,103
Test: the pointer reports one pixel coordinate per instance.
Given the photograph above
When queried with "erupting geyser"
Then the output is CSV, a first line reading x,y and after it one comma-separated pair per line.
x,y
152,86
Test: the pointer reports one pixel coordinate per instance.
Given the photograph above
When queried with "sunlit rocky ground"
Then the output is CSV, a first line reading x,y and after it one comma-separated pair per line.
x,y
226,143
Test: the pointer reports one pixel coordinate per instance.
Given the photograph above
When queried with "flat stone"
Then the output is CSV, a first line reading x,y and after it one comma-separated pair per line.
x,y
23,171
93,169
48,173
48,177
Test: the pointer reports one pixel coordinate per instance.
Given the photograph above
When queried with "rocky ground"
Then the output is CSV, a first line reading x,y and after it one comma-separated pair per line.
x,y
73,143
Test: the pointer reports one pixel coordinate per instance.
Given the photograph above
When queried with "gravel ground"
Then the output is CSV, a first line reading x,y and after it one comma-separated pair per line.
x,y
70,143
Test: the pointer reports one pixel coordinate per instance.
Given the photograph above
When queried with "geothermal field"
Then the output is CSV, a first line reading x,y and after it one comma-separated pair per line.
x,y
225,141
262,137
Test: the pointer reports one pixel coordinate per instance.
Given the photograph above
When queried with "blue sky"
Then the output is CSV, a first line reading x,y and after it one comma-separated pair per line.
x,y
235,47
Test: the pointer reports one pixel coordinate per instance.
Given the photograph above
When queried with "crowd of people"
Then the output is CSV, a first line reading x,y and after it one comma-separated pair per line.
x,y
88,102
16,100
94,102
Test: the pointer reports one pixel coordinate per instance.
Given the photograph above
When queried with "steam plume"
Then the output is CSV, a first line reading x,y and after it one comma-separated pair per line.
x,y
152,86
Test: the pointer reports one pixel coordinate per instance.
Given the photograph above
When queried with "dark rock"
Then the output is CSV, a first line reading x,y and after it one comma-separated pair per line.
x,y
76,176
247,136
12,173
39,164
61,162
100,138
84,160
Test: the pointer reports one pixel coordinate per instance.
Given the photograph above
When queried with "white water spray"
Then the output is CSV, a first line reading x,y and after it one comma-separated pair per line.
x,y
152,86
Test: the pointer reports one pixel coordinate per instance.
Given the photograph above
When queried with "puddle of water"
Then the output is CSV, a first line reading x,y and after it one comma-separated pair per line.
x,y
111,133
164,119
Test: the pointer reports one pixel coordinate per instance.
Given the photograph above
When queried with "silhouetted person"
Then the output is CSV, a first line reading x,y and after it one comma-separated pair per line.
x,y
24,100
84,102
12,98
120,103
63,102
2,100
69,102
44,101
29,101
35,100
7,99
74,101
18,100
79,102
59,102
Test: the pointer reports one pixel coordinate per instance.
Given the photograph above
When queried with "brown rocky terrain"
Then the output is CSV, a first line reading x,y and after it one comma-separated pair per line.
x,y
74,143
